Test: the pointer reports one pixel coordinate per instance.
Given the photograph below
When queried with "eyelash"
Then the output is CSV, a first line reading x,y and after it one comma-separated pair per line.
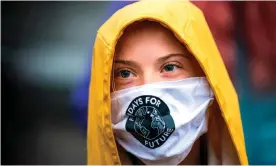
x,y
117,71
178,65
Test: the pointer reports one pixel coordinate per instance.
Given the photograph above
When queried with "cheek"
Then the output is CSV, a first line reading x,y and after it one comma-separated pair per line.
x,y
196,70
176,75
119,84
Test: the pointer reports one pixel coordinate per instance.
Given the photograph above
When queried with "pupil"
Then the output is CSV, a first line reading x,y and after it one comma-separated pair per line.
x,y
125,74
169,67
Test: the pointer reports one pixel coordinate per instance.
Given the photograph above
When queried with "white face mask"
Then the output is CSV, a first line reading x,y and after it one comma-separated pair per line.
x,y
159,122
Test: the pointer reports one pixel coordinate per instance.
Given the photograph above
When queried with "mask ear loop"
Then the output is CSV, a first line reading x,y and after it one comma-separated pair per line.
x,y
210,105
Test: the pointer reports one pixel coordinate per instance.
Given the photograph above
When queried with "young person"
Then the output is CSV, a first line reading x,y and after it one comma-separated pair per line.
x,y
161,93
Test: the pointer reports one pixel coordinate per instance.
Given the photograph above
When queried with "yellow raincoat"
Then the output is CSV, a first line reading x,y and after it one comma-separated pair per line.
x,y
187,22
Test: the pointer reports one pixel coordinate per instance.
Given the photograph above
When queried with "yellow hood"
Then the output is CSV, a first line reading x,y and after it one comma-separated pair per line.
x,y
189,25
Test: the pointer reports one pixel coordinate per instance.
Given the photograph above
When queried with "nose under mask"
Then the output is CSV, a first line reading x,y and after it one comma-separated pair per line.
x,y
159,123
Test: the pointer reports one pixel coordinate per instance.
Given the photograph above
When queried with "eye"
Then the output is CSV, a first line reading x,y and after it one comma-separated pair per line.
x,y
170,67
125,74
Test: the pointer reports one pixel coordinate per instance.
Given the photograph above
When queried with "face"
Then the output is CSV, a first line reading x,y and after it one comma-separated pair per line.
x,y
147,53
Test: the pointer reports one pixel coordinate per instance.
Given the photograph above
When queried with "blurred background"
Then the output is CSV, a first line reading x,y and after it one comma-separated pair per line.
x,y
46,50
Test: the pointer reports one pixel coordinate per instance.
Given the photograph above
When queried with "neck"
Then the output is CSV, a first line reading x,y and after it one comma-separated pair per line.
x,y
194,157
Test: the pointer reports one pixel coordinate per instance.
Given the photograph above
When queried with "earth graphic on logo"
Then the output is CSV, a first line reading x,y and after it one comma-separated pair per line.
x,y
148,123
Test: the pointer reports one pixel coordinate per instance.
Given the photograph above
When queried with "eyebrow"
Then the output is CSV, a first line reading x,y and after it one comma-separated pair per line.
x,y
159,60
127,62
163,59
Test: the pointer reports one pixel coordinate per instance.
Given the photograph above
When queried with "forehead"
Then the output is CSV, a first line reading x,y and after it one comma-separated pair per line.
x,y
147,38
